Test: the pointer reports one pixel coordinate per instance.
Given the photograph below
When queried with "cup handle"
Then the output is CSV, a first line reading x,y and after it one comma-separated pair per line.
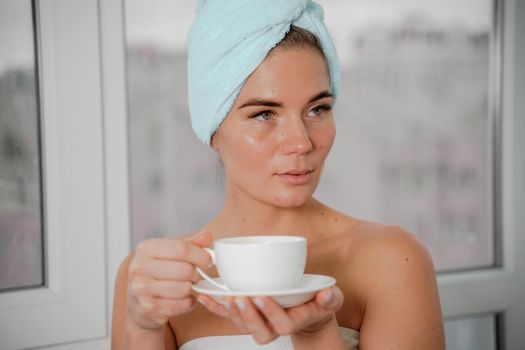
x,y
208,278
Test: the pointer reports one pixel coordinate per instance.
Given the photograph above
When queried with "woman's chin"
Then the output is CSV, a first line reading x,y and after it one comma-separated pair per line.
x,y
291,200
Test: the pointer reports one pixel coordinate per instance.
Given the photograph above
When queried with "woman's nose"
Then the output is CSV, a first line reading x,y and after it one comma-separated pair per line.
x,y
296,137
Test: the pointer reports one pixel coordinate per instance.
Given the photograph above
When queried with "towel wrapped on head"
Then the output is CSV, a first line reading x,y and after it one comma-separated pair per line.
x,y
229,39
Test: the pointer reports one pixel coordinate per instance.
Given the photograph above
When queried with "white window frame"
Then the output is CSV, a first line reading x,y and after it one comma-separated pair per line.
x,y
501,290
85,179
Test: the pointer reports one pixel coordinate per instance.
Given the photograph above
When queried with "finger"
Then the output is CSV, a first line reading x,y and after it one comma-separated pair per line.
x,y
316,313
277,317
213,306
307,314
173,249
330,298
169,270
160,310
169,289
202,239
234,314
255,324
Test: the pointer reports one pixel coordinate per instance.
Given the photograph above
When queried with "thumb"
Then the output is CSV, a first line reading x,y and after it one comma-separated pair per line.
x,y
203,238
330,298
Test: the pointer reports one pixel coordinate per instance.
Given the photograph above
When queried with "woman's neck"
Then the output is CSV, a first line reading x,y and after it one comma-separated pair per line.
x,y
247,216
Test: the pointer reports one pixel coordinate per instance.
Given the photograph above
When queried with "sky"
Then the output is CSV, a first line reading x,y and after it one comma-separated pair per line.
x,y
164,23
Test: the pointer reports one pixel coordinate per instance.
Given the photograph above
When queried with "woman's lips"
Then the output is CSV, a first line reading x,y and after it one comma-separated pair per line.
x,y
296,179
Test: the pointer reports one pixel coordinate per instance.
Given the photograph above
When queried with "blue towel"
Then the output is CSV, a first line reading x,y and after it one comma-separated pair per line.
x,y
229,39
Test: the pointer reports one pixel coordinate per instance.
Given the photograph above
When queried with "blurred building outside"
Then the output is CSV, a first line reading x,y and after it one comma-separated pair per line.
x,y
412,146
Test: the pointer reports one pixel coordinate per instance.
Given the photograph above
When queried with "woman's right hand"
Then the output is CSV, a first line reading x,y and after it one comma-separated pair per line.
x,y
160,279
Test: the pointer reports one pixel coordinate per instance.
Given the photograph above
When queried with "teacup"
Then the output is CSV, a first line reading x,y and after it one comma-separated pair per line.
x,y
258,263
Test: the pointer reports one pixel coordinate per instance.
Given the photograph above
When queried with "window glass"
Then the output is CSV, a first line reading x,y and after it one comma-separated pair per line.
x,y
21,232
414,138
476,332
413,144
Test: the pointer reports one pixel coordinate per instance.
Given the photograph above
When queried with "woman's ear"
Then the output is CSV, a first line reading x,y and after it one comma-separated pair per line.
x,y
213,141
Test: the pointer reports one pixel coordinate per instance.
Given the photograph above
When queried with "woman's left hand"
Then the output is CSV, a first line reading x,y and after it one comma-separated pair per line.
x,y
265,320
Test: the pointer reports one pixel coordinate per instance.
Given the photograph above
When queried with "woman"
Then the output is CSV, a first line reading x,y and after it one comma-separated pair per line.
x,y
272,127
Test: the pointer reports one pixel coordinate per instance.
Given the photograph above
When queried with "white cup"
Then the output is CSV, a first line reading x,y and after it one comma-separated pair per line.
x,y
258,263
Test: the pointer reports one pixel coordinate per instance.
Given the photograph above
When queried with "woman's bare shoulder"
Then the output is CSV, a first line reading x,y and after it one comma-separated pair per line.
x,y
392,274
372,245
120,304
371,234
369,250
377,243
389,261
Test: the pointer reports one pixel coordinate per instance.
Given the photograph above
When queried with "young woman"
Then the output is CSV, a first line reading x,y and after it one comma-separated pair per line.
x,y
273,139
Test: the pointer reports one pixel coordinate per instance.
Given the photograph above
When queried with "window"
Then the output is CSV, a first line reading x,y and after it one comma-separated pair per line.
x,y
21,229
68,169
415,143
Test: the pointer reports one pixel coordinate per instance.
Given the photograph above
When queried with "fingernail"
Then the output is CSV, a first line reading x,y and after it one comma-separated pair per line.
x,y
259,303
240,304
328,297
201,301
226,303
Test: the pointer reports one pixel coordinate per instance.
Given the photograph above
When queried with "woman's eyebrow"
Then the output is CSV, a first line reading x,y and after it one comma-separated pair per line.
x,y
269,103
321,95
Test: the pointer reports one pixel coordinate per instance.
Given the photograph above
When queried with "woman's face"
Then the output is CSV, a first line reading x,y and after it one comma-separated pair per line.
x,y
274,141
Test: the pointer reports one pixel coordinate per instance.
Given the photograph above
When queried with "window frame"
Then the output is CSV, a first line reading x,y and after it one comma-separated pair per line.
x,y
499,290
84,177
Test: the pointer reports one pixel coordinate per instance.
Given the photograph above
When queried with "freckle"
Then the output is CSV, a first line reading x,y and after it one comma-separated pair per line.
x,y
336,219
322,213
406,259
321,147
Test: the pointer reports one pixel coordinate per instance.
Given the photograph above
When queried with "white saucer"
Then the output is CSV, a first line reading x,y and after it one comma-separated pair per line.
x,y
305,290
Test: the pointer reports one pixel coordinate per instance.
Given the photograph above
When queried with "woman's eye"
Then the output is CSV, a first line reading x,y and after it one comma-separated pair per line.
x,y
317,111
264,115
